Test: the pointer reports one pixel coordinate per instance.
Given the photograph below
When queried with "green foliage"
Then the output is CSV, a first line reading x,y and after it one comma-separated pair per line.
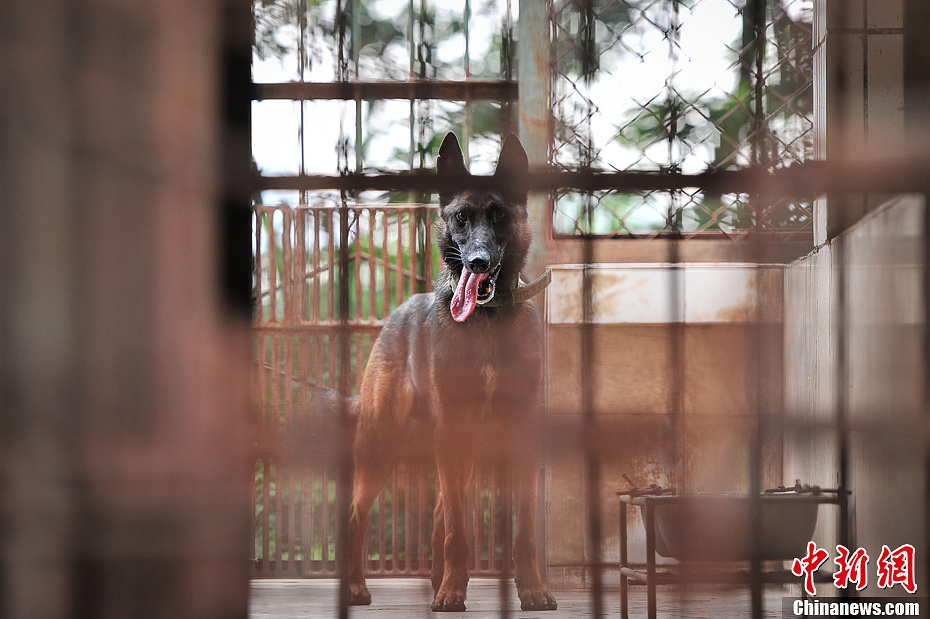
x,y
727,121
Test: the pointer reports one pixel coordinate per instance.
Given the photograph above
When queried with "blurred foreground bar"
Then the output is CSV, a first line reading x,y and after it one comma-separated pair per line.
x,y
123,460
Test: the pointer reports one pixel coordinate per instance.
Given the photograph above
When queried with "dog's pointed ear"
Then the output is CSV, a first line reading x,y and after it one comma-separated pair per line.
x,y
512,168
450,162
513,161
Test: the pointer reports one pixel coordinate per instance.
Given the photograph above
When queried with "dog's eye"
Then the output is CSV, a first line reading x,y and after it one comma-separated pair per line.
x,y
498,215
461,218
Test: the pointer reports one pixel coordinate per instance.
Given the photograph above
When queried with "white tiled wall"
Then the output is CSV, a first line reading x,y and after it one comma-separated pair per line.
x,y
660,293
858,94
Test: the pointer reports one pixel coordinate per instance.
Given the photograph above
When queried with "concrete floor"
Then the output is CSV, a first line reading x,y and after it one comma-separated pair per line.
x,y
406,598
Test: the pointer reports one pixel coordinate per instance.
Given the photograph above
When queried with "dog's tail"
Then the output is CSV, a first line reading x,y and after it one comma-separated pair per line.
x,y
331,403
321,431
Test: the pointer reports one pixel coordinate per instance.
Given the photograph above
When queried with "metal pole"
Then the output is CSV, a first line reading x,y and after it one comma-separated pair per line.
x,y
344,475
534,66
676,340
356,48
759,157
650,559
588,356
466,123
624,583
841,368
917,119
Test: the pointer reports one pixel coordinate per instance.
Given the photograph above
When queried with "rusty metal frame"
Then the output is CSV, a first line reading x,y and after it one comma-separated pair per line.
x,y
448,90
812,178
917,105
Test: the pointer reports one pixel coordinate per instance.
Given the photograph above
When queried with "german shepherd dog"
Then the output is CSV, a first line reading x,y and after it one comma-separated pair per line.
x,y
460,367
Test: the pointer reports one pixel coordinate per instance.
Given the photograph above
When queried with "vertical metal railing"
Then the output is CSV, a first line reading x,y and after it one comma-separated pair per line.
x,y
759,157
917,84
838,12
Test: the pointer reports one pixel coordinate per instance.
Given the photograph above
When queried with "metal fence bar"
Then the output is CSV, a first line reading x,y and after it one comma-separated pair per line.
x,y
804,179
386,292
315,265
624,561
492,517
287,265
422,512
330,263
372,312
651,602
412,265
592,465
357,266
272,270
382,548
415,90
476,528
917,85
394,518
266,520
274,421
428,244
757,10
407,547
344,485
300,284
312,518
257,219
300,506
399,280
287,476
504,476
841,349
324,522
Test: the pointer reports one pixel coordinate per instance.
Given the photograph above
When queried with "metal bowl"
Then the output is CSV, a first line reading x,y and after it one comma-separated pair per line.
x,y
717,527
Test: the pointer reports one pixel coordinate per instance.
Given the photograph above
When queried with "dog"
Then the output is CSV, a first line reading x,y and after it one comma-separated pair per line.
x,y
460,367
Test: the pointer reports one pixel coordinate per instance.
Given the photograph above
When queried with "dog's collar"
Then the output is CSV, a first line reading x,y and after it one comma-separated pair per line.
x,y
522,293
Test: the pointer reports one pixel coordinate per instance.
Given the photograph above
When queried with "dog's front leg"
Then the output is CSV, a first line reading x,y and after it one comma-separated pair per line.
x,y
533,593
439,540
453,470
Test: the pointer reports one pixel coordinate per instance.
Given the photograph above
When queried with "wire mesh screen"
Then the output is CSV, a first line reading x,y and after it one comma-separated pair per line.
x,y
679,86
383,45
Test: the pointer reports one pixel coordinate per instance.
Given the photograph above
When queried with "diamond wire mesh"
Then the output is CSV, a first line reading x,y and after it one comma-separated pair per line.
x,y
674,88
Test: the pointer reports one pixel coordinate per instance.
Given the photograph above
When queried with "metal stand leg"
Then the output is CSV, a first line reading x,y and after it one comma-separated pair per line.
x,y
624,592
651,558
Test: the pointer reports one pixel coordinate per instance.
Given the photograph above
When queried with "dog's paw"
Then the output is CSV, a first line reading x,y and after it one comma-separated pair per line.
x,y
358,594
537,599
449,600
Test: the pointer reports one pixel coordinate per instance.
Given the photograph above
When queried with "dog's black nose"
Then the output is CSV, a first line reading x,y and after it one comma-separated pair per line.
x,y
479,263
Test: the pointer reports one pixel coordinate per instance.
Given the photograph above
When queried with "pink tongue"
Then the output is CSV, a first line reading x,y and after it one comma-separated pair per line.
x,y
466,295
